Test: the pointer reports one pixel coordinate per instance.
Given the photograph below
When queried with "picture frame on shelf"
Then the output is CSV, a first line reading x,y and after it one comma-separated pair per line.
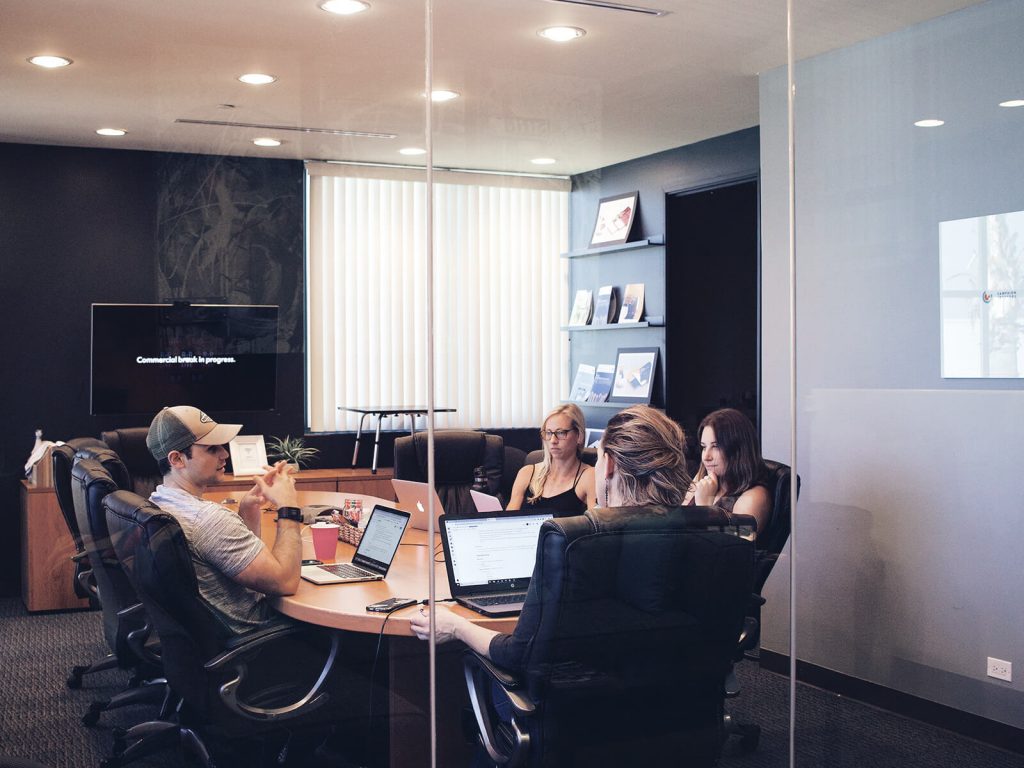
x,y
635,369
615,217
593,437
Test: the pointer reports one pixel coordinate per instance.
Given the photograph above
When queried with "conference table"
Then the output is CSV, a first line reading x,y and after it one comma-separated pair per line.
x,y
343,607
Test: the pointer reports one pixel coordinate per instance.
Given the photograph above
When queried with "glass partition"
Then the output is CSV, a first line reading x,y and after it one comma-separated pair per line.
x,y
658,102
908,248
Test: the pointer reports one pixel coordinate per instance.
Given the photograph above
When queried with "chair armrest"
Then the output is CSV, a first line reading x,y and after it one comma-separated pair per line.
x,y
79,556
235,657
513,747
138,639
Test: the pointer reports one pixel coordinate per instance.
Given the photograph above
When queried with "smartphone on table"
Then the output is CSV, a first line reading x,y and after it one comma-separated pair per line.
x,y
391,604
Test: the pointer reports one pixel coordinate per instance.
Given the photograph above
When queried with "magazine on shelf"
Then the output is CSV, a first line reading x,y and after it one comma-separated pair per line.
x,y
582,307
632,304
582,383
607,305
602,385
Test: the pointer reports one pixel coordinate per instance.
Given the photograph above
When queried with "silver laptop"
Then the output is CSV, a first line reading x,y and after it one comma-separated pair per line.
x,y
415,497
490,558
374,554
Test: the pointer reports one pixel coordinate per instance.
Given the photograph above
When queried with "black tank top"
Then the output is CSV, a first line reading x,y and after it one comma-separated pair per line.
x,y
564,504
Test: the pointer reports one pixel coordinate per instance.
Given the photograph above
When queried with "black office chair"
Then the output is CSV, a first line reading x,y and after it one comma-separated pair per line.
x,y
233,688
129,443
589,456
515,458
457,453
769,545
63,458
631,622
126,627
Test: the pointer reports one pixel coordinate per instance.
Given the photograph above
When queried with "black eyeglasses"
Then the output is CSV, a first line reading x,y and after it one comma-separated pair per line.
x,y
548,435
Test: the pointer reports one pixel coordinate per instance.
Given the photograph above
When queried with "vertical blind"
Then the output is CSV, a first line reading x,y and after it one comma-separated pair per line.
x,y
500,295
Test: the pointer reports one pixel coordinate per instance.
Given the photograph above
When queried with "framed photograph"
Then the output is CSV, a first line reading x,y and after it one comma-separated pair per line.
x,y
593,438
635,369
248,455
615,217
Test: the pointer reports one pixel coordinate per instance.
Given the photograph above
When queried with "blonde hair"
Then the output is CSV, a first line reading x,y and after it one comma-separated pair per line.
x,y
647,447
540,474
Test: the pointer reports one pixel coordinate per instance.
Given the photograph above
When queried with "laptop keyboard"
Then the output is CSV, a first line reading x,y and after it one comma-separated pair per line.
x,y
511,597
346,570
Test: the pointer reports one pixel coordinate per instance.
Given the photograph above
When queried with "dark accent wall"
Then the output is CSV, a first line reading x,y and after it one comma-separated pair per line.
x,y
79,226
706,164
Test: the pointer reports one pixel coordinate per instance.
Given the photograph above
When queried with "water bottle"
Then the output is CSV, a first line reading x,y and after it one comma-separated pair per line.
x,y
480,480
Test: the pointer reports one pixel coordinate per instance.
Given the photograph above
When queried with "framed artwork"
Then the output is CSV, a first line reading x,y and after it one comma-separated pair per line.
x,y
635,368
593,438
248,455
615,217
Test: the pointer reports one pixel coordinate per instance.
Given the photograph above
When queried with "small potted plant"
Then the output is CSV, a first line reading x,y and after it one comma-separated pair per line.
x,y
292,449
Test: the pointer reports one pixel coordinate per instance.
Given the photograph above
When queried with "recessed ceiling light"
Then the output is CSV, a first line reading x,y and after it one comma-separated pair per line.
x,y
111,131
561,34
266,141
442,95
256,78
1012,103
543,161
344,7
49,62
412,151
930,123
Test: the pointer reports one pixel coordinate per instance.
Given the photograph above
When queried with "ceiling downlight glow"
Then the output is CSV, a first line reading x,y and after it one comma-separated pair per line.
x,y
561,34
266,141
49,62
543,161
344,7
1012,103
412,151
929,123
111,131
257,78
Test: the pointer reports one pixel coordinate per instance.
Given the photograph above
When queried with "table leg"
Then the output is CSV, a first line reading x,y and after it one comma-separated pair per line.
x,y
359,434
376,445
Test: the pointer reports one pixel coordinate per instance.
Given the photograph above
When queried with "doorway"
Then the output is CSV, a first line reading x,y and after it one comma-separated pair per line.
x,y
712,333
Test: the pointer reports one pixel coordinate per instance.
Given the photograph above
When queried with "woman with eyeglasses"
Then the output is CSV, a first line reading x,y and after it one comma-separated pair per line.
x,y
562,482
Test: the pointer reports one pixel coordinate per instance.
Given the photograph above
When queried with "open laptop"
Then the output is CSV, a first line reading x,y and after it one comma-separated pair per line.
x,y
415,496
490,558
485,502
374,554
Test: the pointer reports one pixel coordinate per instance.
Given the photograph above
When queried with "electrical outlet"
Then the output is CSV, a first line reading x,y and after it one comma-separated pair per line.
x,y
999,669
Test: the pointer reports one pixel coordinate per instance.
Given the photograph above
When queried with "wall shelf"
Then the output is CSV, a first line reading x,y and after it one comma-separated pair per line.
x,y
613,326
634,246
618,406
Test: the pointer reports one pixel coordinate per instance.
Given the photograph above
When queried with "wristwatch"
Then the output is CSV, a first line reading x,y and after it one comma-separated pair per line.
x,y
289,513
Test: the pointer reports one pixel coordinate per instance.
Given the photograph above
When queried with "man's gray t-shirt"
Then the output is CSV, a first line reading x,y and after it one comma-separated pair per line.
x,y
222,546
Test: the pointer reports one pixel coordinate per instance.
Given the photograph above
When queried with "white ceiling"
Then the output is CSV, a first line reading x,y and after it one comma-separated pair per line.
x,y
635,84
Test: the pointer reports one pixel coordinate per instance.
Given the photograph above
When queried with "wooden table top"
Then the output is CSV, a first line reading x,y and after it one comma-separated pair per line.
x,y
343,606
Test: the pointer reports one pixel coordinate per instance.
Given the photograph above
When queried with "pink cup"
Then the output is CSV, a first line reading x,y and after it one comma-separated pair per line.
x,y
325,540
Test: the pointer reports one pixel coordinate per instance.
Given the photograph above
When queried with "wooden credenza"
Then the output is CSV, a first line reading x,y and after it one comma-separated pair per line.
x,y
47,572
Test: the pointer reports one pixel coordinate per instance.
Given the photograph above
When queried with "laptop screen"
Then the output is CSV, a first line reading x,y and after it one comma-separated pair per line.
x,y
491,553
380,540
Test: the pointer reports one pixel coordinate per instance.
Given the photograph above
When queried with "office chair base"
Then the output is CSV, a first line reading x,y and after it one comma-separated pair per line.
x,y
77,672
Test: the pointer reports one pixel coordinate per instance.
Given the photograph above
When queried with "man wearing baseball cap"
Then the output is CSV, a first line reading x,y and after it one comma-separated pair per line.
x,y
234,568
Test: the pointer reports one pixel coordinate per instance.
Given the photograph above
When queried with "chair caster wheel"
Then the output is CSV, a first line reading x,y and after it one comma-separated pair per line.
x,y
75,678
92,717
750,739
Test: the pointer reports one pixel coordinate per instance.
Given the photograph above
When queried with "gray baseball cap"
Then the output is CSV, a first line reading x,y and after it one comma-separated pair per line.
x,y
177,427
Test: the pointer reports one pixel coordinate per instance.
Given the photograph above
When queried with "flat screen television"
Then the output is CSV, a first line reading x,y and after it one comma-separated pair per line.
x,y
217,357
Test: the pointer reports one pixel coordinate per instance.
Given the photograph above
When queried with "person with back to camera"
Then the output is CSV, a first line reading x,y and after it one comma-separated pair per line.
x,y
732,472
562,482
640,462
234,568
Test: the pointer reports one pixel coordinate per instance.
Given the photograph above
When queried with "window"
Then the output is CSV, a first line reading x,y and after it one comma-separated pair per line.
x,y
500,295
